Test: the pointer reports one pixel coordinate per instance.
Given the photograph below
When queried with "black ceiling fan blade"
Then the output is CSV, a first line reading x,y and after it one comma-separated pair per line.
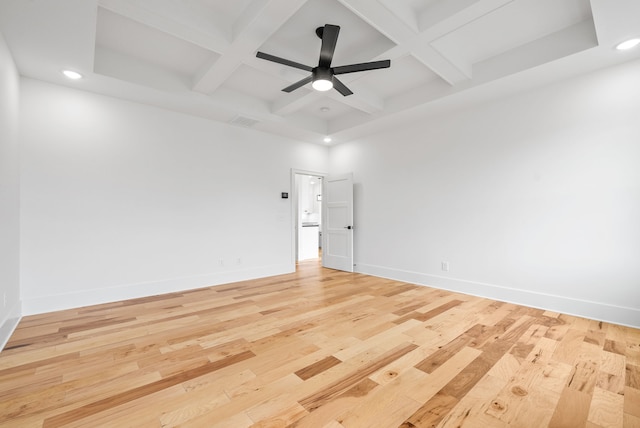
x,y
283,61
340,87
352,68
329,40
298,84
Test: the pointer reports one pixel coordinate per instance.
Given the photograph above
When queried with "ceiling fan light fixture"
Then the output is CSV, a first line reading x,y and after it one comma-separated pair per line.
x,y
322,85
322,79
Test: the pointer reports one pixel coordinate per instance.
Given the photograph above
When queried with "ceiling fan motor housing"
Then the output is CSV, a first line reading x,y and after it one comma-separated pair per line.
x,y
321,73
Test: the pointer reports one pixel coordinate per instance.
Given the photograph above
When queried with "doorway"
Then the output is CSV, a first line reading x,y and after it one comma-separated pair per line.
x,y
308,221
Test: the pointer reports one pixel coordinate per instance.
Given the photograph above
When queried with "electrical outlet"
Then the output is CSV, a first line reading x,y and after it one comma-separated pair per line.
x,y
445,266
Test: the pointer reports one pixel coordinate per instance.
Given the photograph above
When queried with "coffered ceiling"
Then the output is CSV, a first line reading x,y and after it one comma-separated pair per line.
x,y
199,56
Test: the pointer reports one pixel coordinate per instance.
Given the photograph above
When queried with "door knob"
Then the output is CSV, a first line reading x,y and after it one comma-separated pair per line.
x,y
348,227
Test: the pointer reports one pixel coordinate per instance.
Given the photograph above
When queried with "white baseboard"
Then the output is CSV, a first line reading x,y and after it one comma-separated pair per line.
x,y
10,323
43,304
583,308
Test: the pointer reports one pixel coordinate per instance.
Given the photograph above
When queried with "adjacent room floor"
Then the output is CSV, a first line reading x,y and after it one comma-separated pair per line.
x,y
318,348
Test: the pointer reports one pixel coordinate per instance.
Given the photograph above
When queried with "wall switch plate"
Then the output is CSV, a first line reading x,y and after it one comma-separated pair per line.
x,y
445,266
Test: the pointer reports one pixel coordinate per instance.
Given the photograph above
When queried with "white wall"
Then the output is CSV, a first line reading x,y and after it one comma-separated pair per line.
x,y
533,199
122,200
10,307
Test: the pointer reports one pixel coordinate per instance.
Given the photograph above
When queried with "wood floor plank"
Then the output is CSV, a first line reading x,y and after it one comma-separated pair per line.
x,y
572,409
333,390
428,386
632,401
607,409
317,367
318,348
632,378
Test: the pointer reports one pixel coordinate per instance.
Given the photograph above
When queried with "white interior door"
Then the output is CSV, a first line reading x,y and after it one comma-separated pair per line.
x,y
337,236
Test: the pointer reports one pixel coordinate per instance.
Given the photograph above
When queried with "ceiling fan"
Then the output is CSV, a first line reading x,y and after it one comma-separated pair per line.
x,y
323,77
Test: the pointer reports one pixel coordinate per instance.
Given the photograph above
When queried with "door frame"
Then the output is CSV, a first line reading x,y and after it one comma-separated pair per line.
x,y
294,209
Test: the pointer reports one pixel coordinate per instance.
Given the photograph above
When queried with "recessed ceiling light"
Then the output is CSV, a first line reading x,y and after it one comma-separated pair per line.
x,y
327,139
628,44
324,109
72,74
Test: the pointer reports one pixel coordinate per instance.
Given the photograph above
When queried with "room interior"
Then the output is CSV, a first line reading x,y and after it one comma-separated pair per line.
x,y
496,157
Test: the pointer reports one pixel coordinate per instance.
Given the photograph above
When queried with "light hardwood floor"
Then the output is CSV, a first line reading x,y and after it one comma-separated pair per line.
x,y
318,348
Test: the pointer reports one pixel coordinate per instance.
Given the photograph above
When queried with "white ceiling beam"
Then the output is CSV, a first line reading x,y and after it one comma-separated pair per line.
x,y
213,39
451,71
260,20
